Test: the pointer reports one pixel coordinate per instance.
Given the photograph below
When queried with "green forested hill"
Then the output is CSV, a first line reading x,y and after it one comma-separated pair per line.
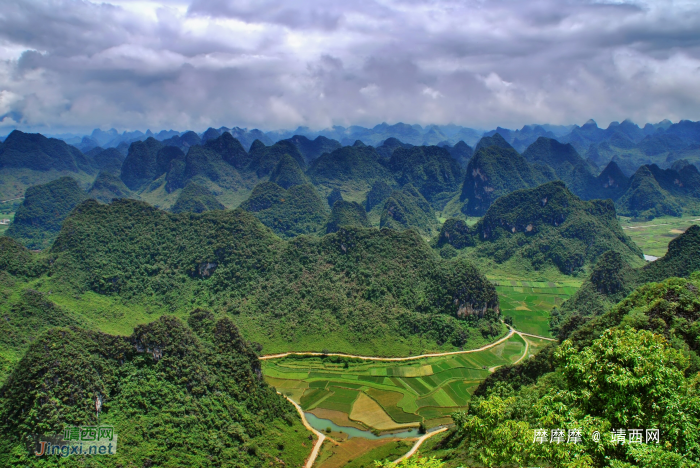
x,y
569,166
264,159
494,140
354,290
350,168
613,278
196,198
109,160
299,210
610,183
344,213
406,209
376,196
635,362
288,173
107,186
430,169
38,219
28,159
230,150
165,390
545,226
494,171
645,197
36,152
140,166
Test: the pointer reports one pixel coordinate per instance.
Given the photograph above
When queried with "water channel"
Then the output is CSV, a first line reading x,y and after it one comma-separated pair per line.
x,y
321,424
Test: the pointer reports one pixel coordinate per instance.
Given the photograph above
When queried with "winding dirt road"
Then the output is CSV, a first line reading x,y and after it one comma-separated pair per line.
x,y
375,358
314,453
418,443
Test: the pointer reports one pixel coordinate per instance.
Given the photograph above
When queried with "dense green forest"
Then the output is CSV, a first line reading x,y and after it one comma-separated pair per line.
x,y
539,228
152,271
164,389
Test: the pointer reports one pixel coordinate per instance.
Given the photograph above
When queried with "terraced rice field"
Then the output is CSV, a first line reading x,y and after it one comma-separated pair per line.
x,y
387,395
529,302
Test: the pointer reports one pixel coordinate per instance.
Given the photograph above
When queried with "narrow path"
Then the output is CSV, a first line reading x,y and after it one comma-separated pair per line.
x,y
537,336
527,347
419,442
314,453
375,358
11,199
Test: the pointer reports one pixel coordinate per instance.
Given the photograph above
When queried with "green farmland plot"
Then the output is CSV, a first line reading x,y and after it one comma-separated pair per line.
x,y
529,302
424,390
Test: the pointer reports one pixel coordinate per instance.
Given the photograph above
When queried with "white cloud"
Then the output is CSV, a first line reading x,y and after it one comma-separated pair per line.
x,y
271,63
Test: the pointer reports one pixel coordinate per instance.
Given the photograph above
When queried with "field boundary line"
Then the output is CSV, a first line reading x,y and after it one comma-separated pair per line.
x,y
418,443
375,358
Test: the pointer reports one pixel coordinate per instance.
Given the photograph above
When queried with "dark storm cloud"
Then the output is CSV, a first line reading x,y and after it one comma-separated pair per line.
x,y
271,63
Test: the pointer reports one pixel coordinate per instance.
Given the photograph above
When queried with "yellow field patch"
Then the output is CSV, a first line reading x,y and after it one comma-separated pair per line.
x,y
415,371
342,454
676,231
338,417
368,412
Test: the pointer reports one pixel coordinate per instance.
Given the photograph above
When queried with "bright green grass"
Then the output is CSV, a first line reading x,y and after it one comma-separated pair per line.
x,y
529,302
425,390
653,236
341,400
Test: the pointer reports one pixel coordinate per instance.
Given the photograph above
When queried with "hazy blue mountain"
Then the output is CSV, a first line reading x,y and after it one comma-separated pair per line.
x,y
312,149
493,140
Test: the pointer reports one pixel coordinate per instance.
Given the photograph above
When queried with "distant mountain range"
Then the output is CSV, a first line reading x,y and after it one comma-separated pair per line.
x,y
288,184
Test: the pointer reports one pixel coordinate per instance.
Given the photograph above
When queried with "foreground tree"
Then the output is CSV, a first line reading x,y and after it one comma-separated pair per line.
x,y
602,396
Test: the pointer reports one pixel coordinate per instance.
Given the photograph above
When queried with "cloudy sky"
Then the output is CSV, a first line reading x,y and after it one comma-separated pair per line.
x,y
76,65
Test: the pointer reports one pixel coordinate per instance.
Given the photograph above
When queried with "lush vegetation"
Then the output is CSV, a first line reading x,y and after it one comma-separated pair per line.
x,y
623,379
430,169
548,225
288,173
354,290
407,208
195,198
164,389
299,210
350,214
495,171
40,216
613,278
107,187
